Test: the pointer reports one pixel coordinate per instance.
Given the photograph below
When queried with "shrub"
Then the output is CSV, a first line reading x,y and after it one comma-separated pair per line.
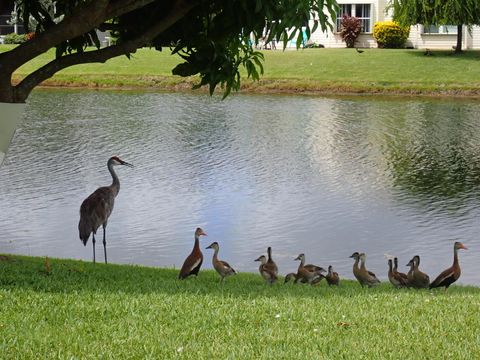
x,y
389,34
350,29
14,39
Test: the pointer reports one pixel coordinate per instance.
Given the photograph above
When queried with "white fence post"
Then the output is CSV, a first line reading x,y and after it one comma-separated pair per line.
x,y
10,117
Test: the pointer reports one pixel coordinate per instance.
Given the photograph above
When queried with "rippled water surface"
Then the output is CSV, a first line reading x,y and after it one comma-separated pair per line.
x,y
303,174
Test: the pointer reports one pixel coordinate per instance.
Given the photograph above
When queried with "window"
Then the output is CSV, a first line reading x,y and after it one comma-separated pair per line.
x,y
361,11
440,29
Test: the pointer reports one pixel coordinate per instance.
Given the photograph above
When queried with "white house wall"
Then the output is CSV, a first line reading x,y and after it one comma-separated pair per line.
x,y
475,38
416,39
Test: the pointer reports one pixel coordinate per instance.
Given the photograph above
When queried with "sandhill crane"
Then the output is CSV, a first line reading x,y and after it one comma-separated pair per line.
x,y
96,209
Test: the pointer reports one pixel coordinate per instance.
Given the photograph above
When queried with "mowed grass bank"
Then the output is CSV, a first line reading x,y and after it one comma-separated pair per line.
x,y
304,71
78,310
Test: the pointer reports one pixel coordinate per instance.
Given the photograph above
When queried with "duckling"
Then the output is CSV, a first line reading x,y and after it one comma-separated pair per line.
x,y
269,276
366,277
222,267
270,263
416,278
395,279
193,262
399,274
450,275
304,274
290,276
332,276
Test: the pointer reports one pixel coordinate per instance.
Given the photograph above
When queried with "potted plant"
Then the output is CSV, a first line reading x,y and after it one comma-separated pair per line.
x,y
11,115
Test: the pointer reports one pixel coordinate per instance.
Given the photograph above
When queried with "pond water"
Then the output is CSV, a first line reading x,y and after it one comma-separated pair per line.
x,y
323,176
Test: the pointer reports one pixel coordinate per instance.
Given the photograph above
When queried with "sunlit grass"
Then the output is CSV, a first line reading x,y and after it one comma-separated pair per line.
x,y
311,70
78,310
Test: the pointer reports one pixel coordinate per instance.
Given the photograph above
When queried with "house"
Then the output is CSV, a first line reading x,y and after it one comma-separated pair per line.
x,y
432,37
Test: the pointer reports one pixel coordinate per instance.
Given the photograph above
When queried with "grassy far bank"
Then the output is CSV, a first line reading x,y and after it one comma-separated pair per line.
x,y
78,310
309,71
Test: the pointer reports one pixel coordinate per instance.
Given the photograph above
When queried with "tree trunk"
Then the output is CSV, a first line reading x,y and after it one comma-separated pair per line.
x,y
458,48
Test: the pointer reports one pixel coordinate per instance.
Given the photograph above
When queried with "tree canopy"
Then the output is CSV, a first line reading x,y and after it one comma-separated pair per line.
x,y
215,38
438,12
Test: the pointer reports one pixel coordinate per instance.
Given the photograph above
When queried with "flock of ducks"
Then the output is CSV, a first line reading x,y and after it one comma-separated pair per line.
x,y
97,207
313,274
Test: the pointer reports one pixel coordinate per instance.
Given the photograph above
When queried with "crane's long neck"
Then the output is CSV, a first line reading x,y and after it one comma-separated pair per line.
x,y
115,181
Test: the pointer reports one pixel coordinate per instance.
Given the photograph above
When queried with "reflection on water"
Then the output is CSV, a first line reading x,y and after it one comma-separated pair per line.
x,y
322,176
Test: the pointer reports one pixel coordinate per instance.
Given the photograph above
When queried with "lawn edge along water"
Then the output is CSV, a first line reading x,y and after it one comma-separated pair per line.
x,y
59,308
310,71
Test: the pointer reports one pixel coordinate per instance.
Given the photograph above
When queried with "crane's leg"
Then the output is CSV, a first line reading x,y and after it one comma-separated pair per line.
x,y
93,242
105,242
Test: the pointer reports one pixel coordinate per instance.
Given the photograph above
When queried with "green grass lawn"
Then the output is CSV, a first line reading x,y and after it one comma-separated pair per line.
x,y
79,310
310,70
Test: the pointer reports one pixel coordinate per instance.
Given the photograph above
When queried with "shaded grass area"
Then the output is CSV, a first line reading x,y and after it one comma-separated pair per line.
x,y
310,71
73,309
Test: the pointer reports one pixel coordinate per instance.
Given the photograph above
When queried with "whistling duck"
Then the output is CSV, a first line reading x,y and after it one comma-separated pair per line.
x,y
401,275
222,267
416,278
293,276
356,269
394,277
267,273
450,275
332,276
192,263
317,270
311,274
361,273
271,265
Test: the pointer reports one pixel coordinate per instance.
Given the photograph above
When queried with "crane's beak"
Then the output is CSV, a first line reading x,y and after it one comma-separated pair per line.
x,y
127,164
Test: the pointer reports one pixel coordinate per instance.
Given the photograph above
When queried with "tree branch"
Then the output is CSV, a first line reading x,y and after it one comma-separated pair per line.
x,y
22,90
70,27
84,19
